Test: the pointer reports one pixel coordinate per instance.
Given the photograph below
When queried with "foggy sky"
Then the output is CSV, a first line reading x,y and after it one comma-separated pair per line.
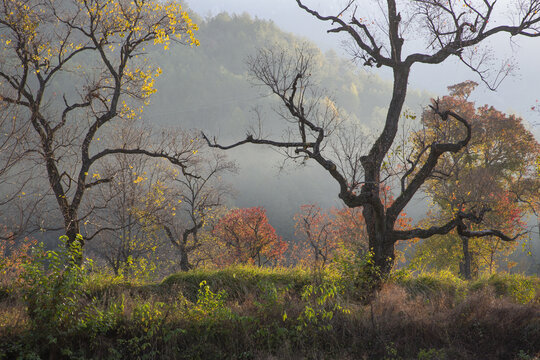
x,y
515,95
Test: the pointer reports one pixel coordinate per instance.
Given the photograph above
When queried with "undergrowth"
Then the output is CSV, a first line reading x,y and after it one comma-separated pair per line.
x,y
74,312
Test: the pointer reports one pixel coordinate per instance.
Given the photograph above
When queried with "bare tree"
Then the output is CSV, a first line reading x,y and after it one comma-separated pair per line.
x,y
116,213
453,28
94,49
12,154
198,199
315,229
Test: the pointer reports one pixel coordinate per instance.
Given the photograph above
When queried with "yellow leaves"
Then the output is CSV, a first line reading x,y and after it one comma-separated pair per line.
x,y
143,78
96,176
148,85
127,112
138,180
8,42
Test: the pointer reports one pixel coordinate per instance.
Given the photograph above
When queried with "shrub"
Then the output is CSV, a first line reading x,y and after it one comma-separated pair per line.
x,y
441,284
58,305
519,288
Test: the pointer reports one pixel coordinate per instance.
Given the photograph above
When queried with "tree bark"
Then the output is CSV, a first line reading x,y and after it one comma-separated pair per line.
x,y
380,223
184,261
465,265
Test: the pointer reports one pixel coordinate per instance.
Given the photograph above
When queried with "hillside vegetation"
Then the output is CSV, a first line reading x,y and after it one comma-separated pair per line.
x,y
208,87
245,312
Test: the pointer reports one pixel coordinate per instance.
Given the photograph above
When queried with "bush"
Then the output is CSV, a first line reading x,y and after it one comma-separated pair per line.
x,y
520,288
441,284
58,305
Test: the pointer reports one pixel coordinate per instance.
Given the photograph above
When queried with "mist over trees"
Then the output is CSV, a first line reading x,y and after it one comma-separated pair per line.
x,y
208,88
232,102
314,122
256,198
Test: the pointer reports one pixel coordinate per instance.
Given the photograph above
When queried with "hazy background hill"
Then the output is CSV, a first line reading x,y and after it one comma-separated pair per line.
x,y
208,88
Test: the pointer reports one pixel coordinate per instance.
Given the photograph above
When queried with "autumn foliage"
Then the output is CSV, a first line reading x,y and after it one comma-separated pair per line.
x,y
493,176
13,255
246,237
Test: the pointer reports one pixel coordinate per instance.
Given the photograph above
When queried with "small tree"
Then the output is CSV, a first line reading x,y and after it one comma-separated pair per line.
x,y
13,255
451,28
117,209
192,205
317,242
246,236
94,50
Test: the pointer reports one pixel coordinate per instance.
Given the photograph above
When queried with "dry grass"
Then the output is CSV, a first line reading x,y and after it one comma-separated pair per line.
x,y
13,316
480,326
412,320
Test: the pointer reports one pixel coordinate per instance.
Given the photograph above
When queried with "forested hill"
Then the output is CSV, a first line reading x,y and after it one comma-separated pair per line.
x,y
208,88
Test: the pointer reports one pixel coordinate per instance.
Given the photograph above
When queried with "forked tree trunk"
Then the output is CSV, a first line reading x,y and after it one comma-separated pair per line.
x,y
184,261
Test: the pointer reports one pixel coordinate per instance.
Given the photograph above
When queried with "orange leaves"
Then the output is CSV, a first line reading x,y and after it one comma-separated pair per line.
x,y
248,237
495,171
12,257
317,240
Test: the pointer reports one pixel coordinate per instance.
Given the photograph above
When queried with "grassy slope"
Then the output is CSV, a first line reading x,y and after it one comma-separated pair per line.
x,y
249,313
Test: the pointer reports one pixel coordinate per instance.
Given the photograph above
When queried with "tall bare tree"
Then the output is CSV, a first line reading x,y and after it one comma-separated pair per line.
x,y
453,28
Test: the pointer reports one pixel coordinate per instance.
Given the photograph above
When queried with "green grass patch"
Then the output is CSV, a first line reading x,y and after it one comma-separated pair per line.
x,y
429,285
238,281
522,289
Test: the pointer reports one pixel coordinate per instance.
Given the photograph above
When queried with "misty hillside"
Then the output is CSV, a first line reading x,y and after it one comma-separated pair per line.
x,y
208,88
174,186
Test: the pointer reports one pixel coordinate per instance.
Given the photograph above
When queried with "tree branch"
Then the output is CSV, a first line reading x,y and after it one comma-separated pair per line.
x,y
436,151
